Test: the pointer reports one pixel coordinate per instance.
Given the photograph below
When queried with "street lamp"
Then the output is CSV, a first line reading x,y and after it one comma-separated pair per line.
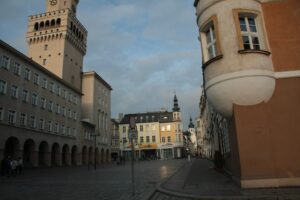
x,y
132,133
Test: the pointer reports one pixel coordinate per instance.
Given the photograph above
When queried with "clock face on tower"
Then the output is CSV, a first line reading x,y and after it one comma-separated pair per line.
x,y
53,2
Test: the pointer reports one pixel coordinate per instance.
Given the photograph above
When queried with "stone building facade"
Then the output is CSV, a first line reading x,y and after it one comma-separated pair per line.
x,y
44,116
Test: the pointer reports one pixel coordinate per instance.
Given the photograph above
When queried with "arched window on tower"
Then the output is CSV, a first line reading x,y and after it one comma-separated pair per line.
x,y
36,26
42,25
47,24
58,21
53,22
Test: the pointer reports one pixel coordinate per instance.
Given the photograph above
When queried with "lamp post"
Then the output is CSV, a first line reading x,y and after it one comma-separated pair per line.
x,y
133,136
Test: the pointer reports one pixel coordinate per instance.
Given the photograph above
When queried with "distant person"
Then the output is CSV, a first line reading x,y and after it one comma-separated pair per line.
x,y
19,165
13,167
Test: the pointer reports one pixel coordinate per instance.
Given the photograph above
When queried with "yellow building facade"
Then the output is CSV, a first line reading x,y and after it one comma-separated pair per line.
x,y
159,134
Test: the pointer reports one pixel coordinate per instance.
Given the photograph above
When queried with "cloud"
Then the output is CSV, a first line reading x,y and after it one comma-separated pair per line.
x,y
146,50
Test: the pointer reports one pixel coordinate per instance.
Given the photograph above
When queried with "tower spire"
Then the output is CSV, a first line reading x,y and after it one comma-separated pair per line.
x,y
175,106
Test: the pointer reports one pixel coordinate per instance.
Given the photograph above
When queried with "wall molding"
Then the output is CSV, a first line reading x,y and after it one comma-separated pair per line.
x,y
287,74
274,182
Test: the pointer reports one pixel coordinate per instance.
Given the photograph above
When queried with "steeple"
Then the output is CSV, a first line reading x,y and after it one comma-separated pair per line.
x,y
176,107
191,124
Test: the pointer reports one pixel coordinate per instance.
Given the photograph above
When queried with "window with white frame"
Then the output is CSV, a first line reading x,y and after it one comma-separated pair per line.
x,y
163,140
36,79
210,40
57,108
32,121
43,103
250,30
63,129
68,131
42,124
168,127
74,132
153,138
27,74
64,93
14,91
169,138
148,139
12,116
34,99
70,97
49,126
141,139
17,69
3,86
23,119
5,62
75,100
63,111
58,92
56,128
45,83
25,94
50,106
1,113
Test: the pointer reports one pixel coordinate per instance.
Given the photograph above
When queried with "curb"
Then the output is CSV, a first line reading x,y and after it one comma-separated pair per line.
x,y
150,195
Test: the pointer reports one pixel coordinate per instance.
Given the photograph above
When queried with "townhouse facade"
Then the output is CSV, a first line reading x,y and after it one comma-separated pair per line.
x,y
159,134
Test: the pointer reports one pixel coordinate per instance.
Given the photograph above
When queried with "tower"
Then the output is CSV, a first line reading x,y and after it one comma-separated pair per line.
x,y
176,109
57,40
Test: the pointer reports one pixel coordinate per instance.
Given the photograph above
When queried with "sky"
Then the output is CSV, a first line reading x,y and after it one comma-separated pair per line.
x,y
147,50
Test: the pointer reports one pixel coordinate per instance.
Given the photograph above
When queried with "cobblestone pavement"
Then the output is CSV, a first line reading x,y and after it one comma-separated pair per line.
x,y
109,182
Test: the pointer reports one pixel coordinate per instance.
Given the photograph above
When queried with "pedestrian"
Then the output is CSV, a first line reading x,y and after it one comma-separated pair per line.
x,y
8,166
19,165
13,165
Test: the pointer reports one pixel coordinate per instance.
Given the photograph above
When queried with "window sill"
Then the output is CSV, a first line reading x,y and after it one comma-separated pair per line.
x,y
204,65
245,51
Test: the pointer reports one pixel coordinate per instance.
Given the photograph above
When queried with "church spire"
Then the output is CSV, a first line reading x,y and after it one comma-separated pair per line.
x,y
176,107
191,124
